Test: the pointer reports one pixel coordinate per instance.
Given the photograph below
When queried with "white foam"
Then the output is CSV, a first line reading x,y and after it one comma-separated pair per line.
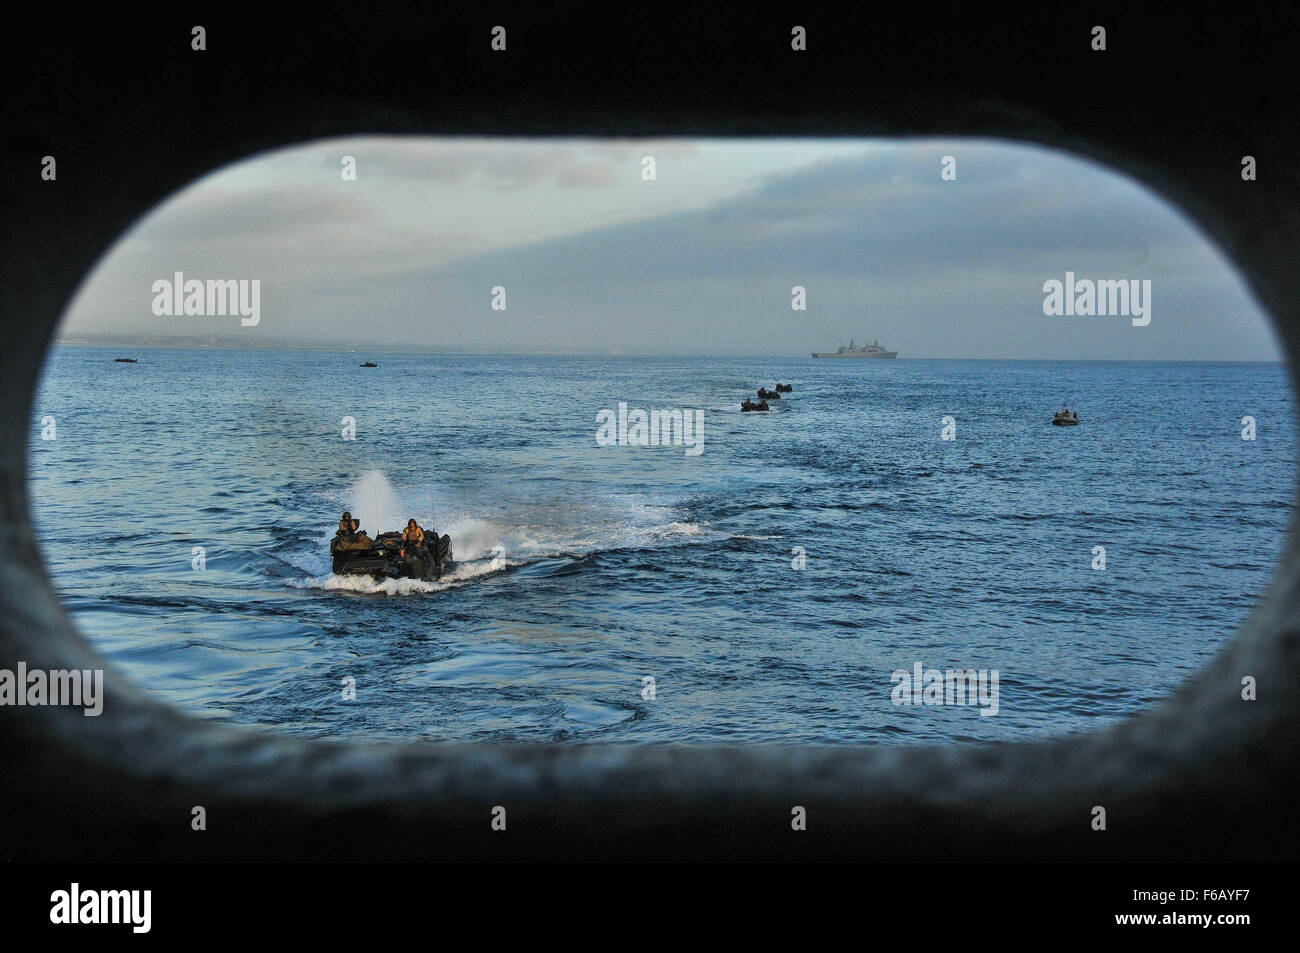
x,y
486,544
365,584
459,575
680,529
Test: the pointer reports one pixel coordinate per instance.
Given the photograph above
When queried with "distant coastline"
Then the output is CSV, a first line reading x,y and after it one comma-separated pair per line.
x,y
260,343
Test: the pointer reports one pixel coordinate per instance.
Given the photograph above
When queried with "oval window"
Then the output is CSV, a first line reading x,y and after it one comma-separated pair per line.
x,y
703,441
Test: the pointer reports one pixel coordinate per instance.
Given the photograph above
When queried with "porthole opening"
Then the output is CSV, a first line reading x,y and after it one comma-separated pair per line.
x,y
564,337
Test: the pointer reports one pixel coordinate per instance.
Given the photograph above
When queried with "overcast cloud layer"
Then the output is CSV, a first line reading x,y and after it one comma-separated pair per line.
x,y
700,261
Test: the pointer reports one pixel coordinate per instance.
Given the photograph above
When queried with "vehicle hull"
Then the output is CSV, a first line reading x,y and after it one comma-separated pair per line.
x,y
388,558
883,355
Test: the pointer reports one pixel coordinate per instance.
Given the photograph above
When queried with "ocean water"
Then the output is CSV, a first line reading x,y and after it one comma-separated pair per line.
x,y
584,570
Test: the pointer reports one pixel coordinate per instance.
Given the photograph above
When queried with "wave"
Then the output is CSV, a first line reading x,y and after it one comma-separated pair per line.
x,y
482,545
460,574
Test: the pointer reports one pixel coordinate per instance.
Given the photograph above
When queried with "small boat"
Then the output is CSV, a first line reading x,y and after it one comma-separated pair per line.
x,y
370,364
125,360
750,405
765,394
1065,418
784,388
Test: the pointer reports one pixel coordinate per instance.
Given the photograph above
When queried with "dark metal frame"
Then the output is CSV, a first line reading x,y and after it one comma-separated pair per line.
x,y
132,115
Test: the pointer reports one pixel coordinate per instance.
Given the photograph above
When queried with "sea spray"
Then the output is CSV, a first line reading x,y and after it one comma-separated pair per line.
x,y
373,501
512,536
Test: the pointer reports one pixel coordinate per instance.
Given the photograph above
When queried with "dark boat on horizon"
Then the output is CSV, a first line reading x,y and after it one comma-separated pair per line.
x,y
866,350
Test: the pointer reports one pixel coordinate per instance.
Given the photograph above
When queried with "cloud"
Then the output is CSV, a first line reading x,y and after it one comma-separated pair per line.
x,y
886,213
575,165
202,216
884,246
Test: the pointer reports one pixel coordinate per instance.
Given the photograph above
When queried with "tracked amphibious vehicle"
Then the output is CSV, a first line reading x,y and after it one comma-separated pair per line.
x,y
388,556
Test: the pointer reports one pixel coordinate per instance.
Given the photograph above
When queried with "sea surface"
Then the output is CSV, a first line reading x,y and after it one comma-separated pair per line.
x,y
769,585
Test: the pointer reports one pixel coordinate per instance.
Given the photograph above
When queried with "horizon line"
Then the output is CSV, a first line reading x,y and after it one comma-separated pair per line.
x,y
477,351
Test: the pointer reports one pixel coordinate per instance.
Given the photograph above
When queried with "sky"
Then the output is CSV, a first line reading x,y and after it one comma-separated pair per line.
x,y
702,259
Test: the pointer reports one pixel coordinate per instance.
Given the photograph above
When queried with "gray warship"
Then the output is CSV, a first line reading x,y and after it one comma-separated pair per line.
x,y
866,350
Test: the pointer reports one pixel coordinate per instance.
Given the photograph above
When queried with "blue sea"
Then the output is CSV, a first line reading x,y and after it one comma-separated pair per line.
x,y
769,585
